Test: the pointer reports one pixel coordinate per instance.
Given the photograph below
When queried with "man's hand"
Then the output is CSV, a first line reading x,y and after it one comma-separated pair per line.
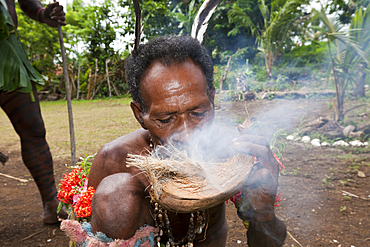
x,y
262,183
52,15
265,230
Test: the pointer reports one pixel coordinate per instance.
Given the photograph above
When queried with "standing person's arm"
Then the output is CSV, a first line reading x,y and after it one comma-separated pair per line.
x,y
51,15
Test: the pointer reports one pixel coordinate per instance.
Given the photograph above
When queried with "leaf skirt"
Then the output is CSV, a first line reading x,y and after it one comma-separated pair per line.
x,y
16,71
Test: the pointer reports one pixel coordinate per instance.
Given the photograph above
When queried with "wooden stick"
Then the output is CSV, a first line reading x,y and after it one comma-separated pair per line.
x,y
106,69
68,95
78,81
34,234
295,240
223,78
353,195
97,89
96,74
115,89
19,179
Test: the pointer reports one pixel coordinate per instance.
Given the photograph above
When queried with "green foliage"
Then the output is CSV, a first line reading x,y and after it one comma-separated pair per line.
x,y
85,163
351,54
314,53
157,18
273,27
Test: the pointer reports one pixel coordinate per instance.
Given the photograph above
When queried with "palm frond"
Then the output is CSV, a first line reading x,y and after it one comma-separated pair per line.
x,y
137,24
201,20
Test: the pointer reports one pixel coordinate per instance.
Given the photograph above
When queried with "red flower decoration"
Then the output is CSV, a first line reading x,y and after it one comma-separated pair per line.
x,y
277,200
70,185
281,167
83,205
236,197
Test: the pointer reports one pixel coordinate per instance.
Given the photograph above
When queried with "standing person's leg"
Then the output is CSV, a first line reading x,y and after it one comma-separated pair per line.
x,y
25,116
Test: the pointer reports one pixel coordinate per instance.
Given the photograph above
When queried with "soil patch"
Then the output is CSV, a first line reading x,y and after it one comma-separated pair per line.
x,y
315,206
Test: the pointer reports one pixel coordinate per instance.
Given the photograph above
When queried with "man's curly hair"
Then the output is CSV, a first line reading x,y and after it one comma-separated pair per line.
x,y
168,50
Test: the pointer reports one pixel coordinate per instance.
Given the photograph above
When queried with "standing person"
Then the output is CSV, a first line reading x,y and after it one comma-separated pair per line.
x,y
18,97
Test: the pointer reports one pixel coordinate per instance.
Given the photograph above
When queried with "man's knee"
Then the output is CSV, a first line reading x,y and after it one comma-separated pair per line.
x,y
120,206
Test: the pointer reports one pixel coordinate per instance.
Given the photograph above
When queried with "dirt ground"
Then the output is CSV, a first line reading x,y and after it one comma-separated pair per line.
x,y
314,208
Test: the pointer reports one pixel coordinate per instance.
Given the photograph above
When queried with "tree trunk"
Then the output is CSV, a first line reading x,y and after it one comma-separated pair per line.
x,y
96,74
338,107
89,88
106,69
359,85
115,89
223,77
78,81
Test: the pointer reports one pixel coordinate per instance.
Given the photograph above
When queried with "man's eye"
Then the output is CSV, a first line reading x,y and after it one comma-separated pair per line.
x,y
165,120
198,114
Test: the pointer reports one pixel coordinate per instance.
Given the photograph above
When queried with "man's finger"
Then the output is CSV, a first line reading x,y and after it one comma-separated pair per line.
x,y
259,140
260,177
252,149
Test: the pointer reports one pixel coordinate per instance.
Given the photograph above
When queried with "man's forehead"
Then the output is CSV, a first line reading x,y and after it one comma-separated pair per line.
x,y
176,72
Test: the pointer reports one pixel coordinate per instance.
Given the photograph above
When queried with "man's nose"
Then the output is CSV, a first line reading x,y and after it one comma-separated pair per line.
x,y
184,131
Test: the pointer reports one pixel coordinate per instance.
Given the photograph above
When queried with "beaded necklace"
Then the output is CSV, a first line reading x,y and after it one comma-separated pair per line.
x,y
162,222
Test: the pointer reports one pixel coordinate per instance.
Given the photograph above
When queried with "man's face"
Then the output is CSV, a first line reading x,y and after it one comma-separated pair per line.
x,y
177,101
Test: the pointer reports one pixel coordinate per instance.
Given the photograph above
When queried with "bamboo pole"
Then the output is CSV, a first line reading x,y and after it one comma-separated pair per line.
x,y
68,95
96,75
78,81
106,69
339,106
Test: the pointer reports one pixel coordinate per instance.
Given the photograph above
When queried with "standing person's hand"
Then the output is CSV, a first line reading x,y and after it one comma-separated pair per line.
x,y
52,15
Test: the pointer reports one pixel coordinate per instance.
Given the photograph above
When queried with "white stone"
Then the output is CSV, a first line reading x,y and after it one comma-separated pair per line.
x,y
290,137
316,143
239,242
306,139
361,174
340,143
356,143
324,144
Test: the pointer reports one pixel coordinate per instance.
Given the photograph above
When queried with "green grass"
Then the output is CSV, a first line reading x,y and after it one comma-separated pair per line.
x,y
95,122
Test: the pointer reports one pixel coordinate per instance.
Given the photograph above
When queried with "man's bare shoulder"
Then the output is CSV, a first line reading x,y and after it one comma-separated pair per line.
x,y
111,158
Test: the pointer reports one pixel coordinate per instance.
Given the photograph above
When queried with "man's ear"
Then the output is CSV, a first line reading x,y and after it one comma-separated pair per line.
x,y
137,110
212,93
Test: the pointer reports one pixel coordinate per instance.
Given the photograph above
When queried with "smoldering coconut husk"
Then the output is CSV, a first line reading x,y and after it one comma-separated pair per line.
x,y
184,185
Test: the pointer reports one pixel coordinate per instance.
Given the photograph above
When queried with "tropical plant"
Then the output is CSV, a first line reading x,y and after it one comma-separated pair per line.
x,y
273,30
351,52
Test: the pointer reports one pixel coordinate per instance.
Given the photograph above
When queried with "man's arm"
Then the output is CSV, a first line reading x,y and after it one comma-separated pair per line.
x,y
270,234
111,158
121,206
51,15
